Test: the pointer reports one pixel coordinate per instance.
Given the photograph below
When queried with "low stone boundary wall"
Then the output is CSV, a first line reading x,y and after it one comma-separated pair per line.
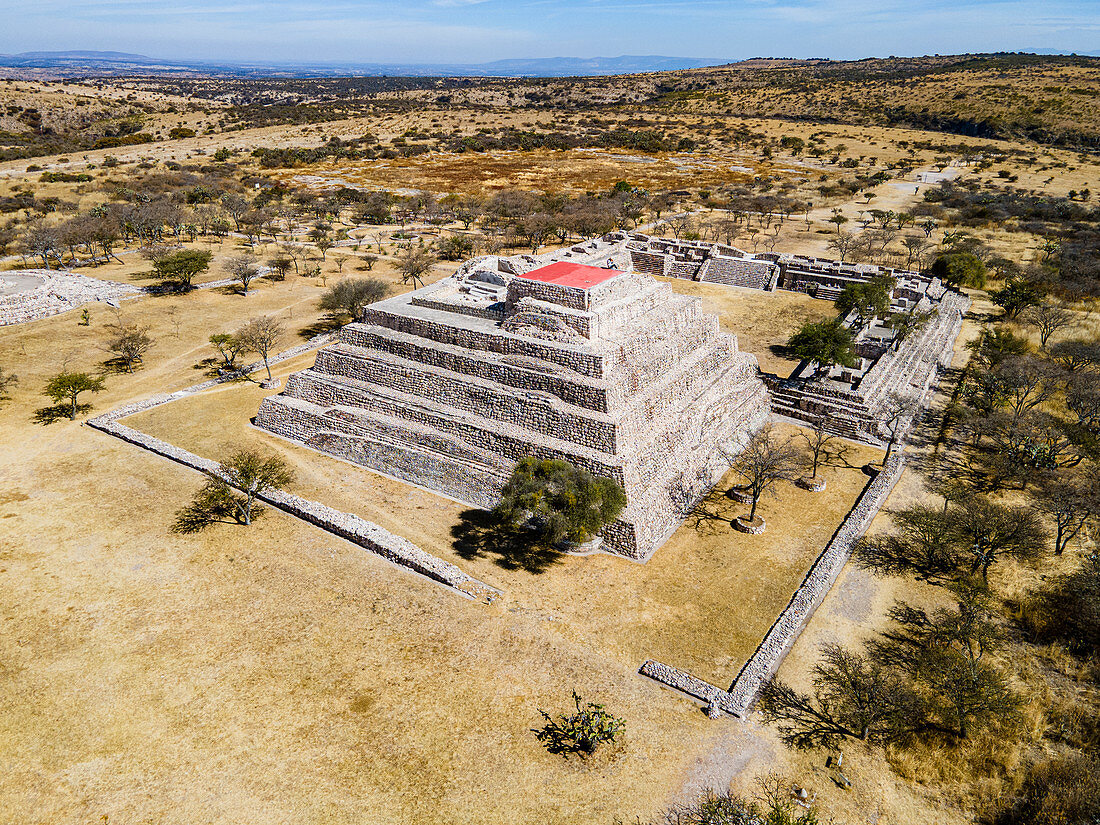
x,y
716,699
777,642
366,534
781,636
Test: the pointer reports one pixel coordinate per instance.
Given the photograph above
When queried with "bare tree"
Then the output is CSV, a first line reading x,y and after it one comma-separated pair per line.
x,y
1083,399
293,251
260,335
323,241
44,240
279,266
414,263
818,442
1076,355
1072,502
916,250
243,269
843,243
1024,382
765,462
894,417
985,531
129,342
1047,320
854,697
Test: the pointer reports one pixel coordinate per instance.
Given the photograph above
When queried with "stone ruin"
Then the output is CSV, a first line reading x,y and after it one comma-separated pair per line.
x,y
579,354
27,295
825,278
691,260
448,386
850,400
699,261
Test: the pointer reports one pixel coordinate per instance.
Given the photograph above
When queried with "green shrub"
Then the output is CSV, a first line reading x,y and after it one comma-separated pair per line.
x,y
580,733
558,501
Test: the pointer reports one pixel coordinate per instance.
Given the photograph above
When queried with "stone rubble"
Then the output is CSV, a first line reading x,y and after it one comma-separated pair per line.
x,y
61,291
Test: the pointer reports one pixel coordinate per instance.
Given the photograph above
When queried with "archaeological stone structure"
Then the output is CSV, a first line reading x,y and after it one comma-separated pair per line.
x,y
852,401
825,278
28,295
700,261
562,358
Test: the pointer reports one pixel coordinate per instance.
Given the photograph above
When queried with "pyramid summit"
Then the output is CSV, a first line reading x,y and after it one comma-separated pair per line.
x,y
449,386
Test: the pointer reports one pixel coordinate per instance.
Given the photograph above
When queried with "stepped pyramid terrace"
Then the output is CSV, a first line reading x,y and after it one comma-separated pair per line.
x,y
448,386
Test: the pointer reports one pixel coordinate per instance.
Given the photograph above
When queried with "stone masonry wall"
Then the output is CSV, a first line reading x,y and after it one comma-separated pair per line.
x,y
584,362
454,418
513,370
779,639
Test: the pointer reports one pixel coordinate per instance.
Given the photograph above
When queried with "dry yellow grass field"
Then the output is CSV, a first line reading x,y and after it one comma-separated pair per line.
x,y
762,321
702,603
279,674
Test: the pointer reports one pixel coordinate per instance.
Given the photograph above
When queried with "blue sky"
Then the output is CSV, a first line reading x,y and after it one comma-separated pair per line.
x,y
473,31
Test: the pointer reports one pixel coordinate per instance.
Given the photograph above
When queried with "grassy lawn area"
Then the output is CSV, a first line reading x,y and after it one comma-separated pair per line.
x,y
703,601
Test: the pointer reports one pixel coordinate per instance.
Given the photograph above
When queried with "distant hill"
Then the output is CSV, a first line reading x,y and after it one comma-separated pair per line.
x,y
579,66
94,62
80,55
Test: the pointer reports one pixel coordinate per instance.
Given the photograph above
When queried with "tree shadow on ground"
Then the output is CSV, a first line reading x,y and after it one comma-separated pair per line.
x,y
481,534
118,366
59,412
321,326
778,350
710,515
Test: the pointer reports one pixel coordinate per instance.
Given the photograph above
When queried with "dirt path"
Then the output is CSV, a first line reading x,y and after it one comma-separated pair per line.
x,y
891,196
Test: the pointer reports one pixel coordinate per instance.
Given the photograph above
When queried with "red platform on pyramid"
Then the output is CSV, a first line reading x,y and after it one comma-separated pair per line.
x,y
564,273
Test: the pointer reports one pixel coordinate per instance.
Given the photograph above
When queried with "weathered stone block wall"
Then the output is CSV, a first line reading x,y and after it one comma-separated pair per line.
x,y
651,263
513,370
818,582
527,409
500,445
492,313
566,296
771,651
683,269
856,412
580,360
737,272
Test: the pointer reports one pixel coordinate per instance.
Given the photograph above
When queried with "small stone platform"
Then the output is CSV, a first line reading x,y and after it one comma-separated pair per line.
x,y
27,295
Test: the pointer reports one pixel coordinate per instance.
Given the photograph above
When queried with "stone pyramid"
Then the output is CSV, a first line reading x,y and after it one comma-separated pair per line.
x,y
448,386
